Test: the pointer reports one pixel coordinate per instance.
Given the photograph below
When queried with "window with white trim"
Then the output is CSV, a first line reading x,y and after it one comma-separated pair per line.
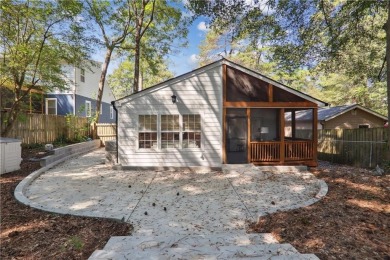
x,y
147,131
88,109
51,106
111,112
170,131
82,75
191,131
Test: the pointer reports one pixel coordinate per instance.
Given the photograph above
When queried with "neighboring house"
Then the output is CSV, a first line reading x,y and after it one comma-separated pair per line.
x,y
218,114
341,117
80,97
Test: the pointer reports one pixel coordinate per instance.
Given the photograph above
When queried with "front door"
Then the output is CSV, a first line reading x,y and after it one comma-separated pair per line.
x,y
236,139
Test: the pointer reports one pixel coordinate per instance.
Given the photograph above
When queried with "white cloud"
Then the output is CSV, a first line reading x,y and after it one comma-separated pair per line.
x,y
193,59
202,26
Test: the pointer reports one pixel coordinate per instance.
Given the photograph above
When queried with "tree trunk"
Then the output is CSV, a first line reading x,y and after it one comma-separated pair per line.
x,y
387,28
102,80
136,63
13,113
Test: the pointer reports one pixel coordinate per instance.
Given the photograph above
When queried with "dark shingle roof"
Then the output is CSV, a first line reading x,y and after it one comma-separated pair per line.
x,y
326,113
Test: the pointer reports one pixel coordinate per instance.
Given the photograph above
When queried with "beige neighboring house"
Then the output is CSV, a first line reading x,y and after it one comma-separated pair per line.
x,y
341,117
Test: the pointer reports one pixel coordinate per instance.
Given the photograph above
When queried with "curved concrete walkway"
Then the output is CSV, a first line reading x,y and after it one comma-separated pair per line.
x,y
194,202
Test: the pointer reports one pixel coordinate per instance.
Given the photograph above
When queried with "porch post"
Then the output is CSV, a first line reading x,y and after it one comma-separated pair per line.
x,y
293,132
282,152
248,116
315,134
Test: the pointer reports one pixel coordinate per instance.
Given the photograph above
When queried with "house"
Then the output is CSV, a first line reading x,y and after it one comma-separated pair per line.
x,y
341,117
222,113
79,98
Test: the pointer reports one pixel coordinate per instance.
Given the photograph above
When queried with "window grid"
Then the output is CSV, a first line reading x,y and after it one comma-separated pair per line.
x,y
191,131
170,131
147,131
88,109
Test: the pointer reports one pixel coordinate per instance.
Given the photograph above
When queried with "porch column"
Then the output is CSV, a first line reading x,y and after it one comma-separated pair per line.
x,y
315,133
282,123
248,120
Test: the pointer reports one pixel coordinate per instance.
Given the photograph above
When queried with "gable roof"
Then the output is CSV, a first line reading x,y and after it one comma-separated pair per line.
x,y
216,64
328,113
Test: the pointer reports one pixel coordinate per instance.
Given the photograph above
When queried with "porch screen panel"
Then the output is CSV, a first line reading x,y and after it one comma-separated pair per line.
x,y
243,87
170,131
147,131
191,131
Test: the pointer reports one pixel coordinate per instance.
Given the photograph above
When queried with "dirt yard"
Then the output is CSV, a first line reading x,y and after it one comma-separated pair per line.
x,y
351,222
28,233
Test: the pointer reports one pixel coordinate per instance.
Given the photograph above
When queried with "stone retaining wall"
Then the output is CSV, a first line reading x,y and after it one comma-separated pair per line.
x,y
60,153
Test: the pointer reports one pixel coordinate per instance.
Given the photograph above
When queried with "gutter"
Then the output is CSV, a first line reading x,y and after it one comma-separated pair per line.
x,y
116,130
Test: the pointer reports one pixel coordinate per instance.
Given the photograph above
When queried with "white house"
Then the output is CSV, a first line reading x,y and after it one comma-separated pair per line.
x,y
216,114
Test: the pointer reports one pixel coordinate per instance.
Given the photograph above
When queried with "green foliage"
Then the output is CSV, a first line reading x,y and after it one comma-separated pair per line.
x,y
76,242
76,132
37,37
121,82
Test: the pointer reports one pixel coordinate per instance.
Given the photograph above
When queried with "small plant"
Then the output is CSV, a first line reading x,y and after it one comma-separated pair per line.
x,y
32,146
76,242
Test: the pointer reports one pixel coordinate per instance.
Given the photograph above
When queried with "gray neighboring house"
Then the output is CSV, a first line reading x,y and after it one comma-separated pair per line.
x,y
341,117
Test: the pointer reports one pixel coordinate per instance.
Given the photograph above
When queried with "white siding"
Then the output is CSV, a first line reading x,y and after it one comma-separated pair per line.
x,y
199,93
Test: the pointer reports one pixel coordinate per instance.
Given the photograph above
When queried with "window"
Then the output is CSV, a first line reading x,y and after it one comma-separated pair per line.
x,y
51,106
364,126
88,109
111,112
82,75
147,131
170,131
191,131
101,108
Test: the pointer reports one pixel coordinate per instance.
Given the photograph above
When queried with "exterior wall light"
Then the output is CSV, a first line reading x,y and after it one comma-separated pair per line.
x,y
174,98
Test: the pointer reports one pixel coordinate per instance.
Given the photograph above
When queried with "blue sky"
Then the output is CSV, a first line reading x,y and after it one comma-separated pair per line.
x,y
185,60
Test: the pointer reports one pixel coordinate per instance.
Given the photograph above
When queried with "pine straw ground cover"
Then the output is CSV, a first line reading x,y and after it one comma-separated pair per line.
x,y
351,222
27,233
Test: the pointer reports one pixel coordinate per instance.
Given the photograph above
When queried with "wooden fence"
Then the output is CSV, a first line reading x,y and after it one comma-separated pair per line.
x,y
364,147
106,132
41,128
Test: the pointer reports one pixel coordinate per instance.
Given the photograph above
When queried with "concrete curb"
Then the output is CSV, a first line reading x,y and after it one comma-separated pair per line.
x,y
320,194
21,187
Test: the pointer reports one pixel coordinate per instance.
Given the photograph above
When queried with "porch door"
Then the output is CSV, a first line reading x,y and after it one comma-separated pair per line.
x,y
236,139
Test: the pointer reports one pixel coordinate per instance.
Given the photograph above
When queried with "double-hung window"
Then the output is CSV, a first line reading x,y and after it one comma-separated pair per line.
x,y
88,108
147,131
191,131
170,131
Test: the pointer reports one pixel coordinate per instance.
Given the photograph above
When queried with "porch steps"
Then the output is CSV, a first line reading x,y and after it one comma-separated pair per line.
x,y
213,246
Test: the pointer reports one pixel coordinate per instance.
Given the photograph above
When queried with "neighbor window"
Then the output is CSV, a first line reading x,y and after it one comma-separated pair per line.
x,y
51,106
364,126
191,131
88,109
147,131
170,131
82,75
111,112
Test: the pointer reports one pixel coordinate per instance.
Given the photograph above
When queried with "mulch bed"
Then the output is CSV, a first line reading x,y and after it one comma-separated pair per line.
x,y
28,233
351,222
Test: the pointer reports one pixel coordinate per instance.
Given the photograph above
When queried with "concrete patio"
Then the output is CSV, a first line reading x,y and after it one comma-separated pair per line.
x,y
170,203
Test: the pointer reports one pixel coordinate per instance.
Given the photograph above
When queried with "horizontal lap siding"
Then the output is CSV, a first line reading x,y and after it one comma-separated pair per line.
x,y
198,94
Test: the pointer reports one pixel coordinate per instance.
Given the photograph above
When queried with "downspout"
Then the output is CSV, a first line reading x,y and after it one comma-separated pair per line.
x,y
116,130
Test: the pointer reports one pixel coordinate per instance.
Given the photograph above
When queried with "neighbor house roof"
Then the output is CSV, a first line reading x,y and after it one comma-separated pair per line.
x,y
213,65
328,113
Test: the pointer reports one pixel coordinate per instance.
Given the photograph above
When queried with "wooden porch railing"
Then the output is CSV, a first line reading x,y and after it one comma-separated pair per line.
x,y
270,151
298,150
265,151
